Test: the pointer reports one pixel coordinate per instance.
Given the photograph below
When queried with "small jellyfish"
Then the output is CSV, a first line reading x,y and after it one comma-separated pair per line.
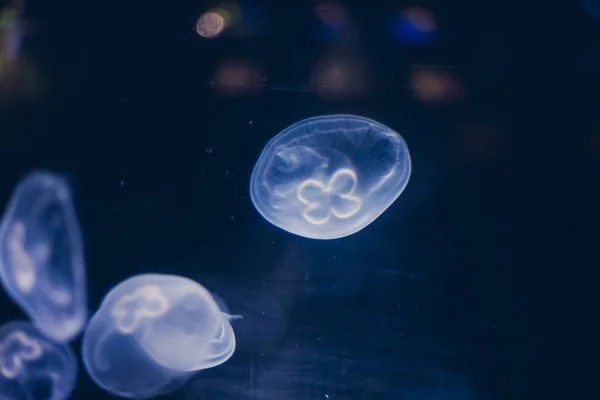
x,y
41,256
32,366
152,332
328,177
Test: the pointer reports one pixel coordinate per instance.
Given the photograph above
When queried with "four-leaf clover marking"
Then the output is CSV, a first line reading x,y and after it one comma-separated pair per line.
x,y
11,359
154,304
329,189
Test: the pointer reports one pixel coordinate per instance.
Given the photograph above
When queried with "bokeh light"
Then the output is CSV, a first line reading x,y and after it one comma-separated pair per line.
x,y
435,85
334,77
332,13
20,78
421,19
210,24
231,13
414,25
215,21
238,76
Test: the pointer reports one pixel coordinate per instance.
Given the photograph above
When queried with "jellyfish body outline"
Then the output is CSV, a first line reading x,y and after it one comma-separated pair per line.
x,y
42,267
315,151
28,357
163,327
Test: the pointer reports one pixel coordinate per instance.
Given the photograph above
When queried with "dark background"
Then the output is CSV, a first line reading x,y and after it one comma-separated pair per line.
x,y
442,297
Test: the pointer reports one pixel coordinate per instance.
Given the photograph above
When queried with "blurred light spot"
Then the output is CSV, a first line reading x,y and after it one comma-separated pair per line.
x,y
234,11
337,78
20,81
421,19
249,19
210,24
11,33
332,14
433,85
20,78
414,25
237,77
230,12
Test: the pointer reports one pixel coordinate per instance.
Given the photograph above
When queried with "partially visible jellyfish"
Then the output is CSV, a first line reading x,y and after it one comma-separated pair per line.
x,y
152,332
328,177
34,367
41,256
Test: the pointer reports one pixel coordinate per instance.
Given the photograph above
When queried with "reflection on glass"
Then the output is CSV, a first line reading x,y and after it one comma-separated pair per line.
x,y
41,256
152,332
32,366
328,177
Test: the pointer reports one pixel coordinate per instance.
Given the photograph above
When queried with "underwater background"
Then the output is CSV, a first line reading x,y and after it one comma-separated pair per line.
x,y
156,119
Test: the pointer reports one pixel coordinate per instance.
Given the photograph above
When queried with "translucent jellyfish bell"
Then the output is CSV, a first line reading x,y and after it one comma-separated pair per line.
x,y
328,177
41,256
152,332
32,366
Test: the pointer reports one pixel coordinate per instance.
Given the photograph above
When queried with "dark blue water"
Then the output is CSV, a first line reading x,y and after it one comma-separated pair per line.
x,y
439,298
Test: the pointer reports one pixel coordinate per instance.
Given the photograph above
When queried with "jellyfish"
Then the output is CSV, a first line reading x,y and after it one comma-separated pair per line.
x,y
32,366
329,177
152,332
41,256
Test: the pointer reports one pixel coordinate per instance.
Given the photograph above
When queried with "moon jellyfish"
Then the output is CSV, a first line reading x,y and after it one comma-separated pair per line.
x,y
152,332
41,256
328,177
32,366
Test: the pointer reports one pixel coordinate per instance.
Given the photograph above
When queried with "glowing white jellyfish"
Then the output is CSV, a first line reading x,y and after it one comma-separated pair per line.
x,y
152,332
41,256
328,177
32,366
